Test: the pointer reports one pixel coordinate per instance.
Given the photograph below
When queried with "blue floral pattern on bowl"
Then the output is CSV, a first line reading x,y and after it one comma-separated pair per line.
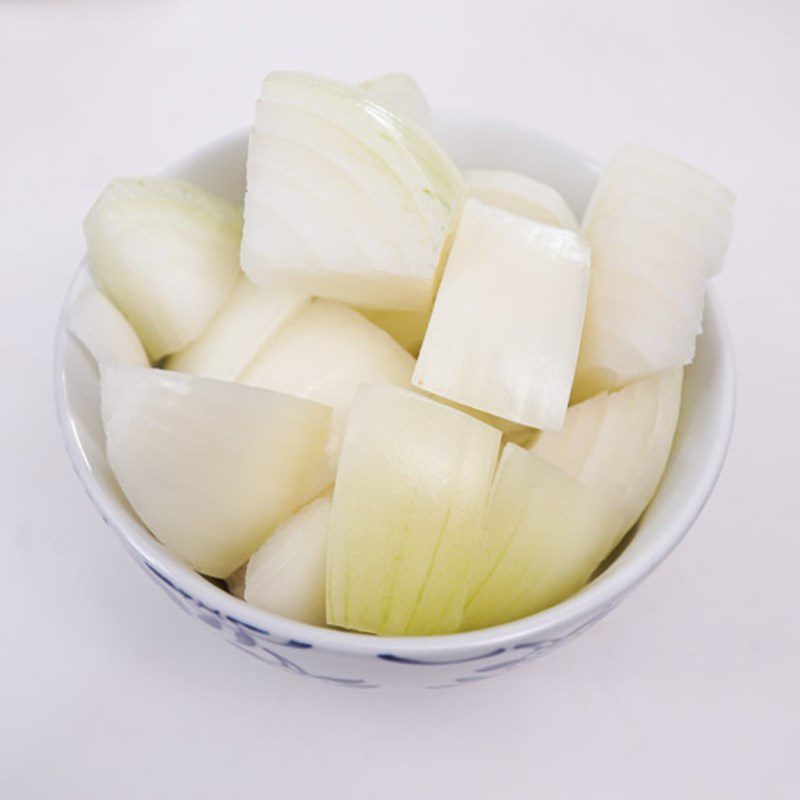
x,y
286,654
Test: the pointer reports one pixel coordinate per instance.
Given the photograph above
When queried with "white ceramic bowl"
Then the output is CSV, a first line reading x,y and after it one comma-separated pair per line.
x,y
367,662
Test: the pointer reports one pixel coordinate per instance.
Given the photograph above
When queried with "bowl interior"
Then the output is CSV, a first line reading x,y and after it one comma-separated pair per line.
x,y
700,445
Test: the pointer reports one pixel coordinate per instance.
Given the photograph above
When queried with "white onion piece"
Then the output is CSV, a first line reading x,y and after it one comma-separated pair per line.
x,y
345,199
618,444
658,229
545,534
399,92
503,336
101,328
286,575
250,318
210,467
412,486
167,254
324,354
521,195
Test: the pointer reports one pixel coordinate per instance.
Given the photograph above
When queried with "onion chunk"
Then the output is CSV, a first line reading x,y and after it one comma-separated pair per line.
x,y
413,482
345,199
210,467
504,333
545,534
521,195
658,229
167,255
99,325
618,444
286,575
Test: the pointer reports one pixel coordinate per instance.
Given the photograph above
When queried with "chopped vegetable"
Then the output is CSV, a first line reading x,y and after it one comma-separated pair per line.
x,y
251,317
210,467
345,199
167,254
413,482
545,534
286,575
521,195
400,93
105,333
658,229
325,353
504,332
618,444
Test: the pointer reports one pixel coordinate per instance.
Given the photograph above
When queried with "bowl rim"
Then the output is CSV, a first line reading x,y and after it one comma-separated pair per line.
x,y
588,603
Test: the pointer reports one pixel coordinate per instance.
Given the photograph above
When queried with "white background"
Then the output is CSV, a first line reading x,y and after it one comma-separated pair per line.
x,y
689,690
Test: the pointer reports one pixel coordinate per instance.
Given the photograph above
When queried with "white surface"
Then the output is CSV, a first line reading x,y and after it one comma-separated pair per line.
x,y
689,689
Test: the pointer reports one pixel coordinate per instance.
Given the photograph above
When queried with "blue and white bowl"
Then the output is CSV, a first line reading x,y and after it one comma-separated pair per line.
x,y
358,661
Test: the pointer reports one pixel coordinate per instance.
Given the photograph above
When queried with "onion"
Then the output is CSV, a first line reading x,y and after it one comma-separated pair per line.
x,y
618,444
167,254
400,93
324,354
545,534
345,199
286,575
210,467
658,229
504,332
252,316
101,328
413,482
521,195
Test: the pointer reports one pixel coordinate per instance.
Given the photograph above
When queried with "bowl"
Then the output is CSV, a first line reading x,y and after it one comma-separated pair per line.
x,y
359,661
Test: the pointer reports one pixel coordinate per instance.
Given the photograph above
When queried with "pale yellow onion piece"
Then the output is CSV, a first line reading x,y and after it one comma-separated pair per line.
x,y
658,229
167,254
400,93
286,575
521,195
504,332
412,486
210,467
545,534
324,354
623,440
250,318
345,199
104,331
407,328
